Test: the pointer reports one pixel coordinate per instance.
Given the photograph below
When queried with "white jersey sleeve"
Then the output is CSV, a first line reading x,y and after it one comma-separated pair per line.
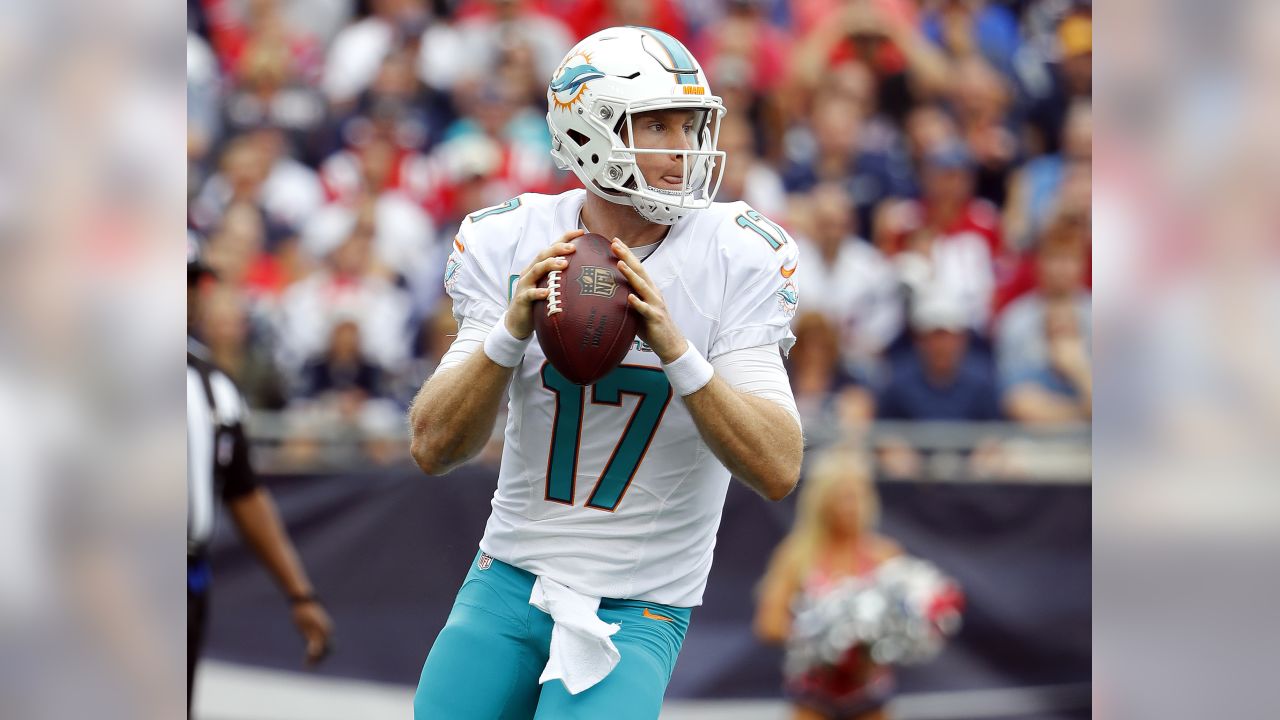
x,y
470,339
477,275
762,290
759,371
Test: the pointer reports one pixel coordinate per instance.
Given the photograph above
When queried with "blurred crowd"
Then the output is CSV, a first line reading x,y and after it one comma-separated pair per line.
x,y
931,157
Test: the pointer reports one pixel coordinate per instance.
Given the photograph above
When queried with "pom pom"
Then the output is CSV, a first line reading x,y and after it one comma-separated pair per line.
x,y
901,614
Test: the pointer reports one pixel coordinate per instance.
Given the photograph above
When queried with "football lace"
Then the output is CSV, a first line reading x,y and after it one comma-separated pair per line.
x,y
553,297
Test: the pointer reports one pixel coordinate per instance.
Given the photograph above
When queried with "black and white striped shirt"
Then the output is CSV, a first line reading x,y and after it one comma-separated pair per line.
x,y
217,448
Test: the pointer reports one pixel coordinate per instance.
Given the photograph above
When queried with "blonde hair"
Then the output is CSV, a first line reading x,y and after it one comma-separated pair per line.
x,y
811,529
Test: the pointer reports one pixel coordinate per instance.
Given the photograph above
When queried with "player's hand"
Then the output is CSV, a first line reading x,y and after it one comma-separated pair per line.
x,y
316,628
519,315
657,328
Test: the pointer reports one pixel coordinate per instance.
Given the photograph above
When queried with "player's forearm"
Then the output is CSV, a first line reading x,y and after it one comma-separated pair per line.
x,y
757,440
259,524
453,414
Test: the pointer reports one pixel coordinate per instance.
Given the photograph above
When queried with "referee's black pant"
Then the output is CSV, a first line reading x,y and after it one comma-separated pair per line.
x,y
197,610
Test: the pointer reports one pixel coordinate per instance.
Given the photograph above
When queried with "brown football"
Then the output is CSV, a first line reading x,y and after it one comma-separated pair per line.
x,y
585,326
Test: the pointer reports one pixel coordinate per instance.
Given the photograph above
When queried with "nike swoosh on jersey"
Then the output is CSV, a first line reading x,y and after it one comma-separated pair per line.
x,y
651,616
788,273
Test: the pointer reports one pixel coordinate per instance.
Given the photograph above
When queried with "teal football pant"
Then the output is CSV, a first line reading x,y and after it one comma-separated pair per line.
x,y
486,660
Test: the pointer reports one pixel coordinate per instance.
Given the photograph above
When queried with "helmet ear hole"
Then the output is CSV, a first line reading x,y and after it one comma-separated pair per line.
x,y
578,137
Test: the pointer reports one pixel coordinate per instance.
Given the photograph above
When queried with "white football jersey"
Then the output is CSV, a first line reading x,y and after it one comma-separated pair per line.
x,y
609,489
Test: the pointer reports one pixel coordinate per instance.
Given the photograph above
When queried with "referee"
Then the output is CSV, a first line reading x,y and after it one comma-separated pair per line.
x,y
218,466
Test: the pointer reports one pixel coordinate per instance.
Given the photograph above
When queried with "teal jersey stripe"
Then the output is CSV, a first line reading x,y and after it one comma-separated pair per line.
x,y
507,206
679,56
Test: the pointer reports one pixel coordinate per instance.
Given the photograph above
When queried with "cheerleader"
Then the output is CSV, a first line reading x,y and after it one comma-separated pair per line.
x,y
832,540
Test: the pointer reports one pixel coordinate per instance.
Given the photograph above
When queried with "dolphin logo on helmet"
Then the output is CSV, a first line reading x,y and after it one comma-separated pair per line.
x,y
571,78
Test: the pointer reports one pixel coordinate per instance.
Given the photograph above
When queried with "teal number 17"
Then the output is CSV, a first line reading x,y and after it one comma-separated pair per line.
x,y
649,384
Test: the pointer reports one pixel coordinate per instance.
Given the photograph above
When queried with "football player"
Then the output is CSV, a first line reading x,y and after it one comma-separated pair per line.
x,y
609,496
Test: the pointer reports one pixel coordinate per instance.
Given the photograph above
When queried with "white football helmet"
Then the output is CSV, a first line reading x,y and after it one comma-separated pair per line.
x,y
603,81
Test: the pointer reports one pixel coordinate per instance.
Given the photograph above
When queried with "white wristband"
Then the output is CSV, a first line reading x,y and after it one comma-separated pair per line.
x,y
690,372
504,348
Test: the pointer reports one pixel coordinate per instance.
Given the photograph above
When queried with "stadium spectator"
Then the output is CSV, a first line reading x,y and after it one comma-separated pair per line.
x,y
975,28
979,98
407,251
1066,77
806,15
204,109
518,73
239,31
744,38
1043,339
1072,216
342,373
747,177
500,111
833,538
884,35
274,71
237,250
847,279
359,49
948,239
343,396
832,150
1021,343
478,171
942,379
1060,390
1035,189
927,128
347,284
224,326
322,19
396,107
256,169
823,389
854,81
588,16
375,166
484,29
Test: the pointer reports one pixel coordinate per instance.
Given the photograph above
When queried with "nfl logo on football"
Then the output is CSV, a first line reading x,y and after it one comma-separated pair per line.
x,y
597,281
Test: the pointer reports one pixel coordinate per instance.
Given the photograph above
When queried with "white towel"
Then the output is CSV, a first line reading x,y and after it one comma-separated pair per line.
x,y
581,652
